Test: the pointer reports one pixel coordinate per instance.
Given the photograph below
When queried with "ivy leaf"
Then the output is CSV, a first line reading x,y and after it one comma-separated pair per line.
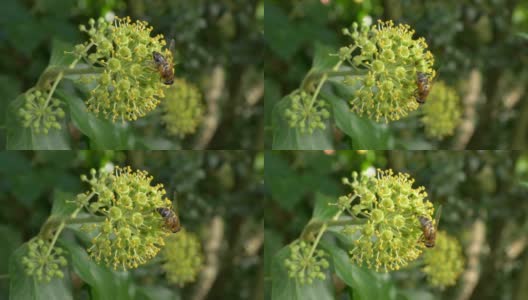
x,y
364,133
104,283
324,58
63,204
103,134
323,210
21,138
27,287
286,288
288,138
365,284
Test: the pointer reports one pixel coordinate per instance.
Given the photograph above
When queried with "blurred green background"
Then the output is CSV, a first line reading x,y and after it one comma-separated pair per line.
x,y
484,205
480,48
219,47
224,186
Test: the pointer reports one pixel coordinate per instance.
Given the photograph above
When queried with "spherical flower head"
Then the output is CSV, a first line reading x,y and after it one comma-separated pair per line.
x,y
41,113
442,111
391,59
43,261
305,113
129,85
444,262
391,236
133,231
183,257
183,108
306,264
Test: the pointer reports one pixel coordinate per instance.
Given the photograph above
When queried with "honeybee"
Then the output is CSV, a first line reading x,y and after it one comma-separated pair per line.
x,y
172,221
164,65
429,229
424,86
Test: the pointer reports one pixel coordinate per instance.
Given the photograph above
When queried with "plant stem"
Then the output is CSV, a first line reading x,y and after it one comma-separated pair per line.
x,y
339,73
59,75
91,219
63,223
320,85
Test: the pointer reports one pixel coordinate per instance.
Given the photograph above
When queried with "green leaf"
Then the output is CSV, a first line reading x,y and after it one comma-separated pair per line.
x,y
324,58
63,204
412,294
287,138
365,134
364,283
58,55
281,35
323,210
285,185
286,288
104,283
103,134
156,293
23,287
21,138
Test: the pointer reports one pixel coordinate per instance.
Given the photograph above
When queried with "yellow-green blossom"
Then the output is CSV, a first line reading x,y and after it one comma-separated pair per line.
x,y
132,231
182,108
305,113
43,261
388,62
442,111
306,263
41,112
444,262
183,257
391,236
129,85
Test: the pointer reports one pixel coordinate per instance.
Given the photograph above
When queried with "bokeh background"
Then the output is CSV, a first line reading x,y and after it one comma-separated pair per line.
x,y
219,47
218,195
484,205
480,48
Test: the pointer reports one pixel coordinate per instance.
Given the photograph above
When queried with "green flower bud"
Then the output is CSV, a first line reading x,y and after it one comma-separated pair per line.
x,y
124,49
183,108
183,258
442,111
306,113
42,263
305,266
392,59
390,238
444,262
40,113
133,231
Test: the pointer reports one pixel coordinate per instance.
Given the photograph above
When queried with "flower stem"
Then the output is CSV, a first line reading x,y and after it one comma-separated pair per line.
x,y
43,81
91,219
320,85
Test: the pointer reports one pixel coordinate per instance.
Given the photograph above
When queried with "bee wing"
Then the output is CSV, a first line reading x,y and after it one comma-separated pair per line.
x,y
437,217
172,46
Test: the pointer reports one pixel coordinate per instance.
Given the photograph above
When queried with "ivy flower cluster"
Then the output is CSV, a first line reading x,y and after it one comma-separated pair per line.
x,y
132,231
306,263
306,113
129,85
41,112
442,112
445,262
391,236
387,64
44,261
183,108
183,257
